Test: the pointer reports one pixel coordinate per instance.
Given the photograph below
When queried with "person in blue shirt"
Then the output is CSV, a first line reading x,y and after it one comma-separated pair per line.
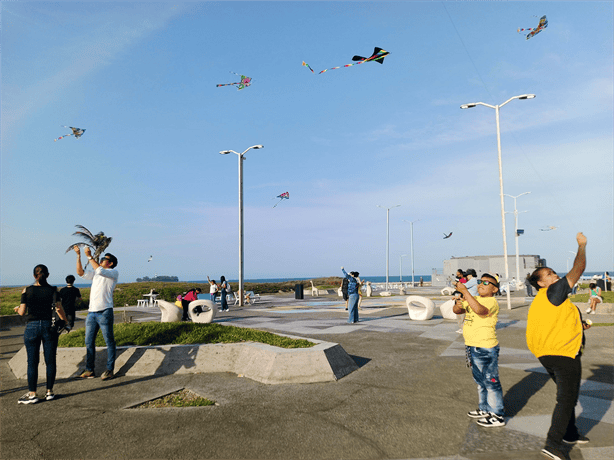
x,y
353,295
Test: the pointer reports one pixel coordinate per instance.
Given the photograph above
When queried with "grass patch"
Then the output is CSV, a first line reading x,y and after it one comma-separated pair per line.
x,y
148,334
181,398
602,324
608,297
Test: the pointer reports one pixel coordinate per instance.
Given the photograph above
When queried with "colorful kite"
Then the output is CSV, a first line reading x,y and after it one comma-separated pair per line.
x,y
244,83
543,23
98,242
77,132
307,65
377,56
445,237
283,196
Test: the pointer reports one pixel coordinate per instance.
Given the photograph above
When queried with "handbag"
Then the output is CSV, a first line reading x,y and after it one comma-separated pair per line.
x,y
58,325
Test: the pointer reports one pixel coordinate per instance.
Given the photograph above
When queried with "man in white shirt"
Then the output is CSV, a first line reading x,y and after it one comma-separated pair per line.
x,y
100,312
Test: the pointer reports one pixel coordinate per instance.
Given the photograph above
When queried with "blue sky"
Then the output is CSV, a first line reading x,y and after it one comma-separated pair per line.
x,y
140,78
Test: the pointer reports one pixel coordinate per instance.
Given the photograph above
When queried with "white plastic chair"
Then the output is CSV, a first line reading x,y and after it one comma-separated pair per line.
x,y
142,303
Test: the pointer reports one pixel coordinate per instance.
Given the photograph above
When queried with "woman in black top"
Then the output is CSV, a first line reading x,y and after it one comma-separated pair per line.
x,y
37,300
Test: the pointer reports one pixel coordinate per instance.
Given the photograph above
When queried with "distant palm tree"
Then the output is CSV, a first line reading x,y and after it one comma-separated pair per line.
x,y
97,243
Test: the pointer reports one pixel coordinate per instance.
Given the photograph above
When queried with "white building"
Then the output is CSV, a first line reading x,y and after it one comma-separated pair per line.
x,y
489,264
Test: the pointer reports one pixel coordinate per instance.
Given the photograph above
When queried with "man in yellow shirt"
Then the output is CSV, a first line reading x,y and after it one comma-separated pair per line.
x,y
555,335
481,314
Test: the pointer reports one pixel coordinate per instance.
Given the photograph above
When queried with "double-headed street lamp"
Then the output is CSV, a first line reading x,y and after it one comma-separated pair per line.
x,y
241,158
401,267
388,238
517,234
497,107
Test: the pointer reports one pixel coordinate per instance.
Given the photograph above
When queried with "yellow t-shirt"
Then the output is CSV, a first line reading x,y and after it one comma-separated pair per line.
x,y
553,330
479,331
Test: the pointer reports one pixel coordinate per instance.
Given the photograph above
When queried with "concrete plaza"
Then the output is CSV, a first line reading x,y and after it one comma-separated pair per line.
x,y
407,400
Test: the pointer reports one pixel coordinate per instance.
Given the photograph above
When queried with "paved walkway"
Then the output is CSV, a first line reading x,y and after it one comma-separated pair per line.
x,y
408,400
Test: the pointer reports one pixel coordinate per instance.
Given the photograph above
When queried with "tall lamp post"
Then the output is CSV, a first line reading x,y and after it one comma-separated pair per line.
x,y
412,250
497,107
241,159
388,238
517,234
401,267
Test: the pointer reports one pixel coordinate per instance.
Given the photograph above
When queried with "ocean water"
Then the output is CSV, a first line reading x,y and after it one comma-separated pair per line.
x,y
373,279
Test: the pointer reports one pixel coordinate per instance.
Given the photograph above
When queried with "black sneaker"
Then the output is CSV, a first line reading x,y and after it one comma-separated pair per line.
x,y
553,453
581,440
477,414
491,420
106,375
28,399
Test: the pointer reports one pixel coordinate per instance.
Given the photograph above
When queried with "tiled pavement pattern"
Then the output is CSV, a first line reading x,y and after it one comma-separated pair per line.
x,y
522,433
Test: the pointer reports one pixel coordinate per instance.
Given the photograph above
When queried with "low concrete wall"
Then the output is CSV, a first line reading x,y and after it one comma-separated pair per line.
x,y
12,321
324,362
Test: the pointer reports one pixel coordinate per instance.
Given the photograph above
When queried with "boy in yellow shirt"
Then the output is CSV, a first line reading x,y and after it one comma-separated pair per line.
x,y
481,315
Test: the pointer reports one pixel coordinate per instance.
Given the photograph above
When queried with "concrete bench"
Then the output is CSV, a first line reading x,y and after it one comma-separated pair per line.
x,y
201,311
420,308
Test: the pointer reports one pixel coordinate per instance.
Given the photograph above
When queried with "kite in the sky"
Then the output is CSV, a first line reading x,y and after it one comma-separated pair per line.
x,y
307,65
283,196
150,257
244,83
547,229
77,132
98,243
377,56
445,237
543,23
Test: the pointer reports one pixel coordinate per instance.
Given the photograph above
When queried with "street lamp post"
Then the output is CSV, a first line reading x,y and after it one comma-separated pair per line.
x,y
241,159
497,107
401,267
388,238
516,236
412,250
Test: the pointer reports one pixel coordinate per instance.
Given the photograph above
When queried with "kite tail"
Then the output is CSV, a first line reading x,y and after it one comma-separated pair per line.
x,y
62,137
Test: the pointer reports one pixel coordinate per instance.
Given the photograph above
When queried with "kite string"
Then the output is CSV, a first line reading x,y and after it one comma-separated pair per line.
x,y
554,200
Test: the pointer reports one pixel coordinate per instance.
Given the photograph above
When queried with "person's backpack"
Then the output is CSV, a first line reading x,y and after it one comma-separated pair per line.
x,y
344,285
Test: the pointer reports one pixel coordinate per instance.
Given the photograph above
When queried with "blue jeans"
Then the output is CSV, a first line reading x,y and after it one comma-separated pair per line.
x,y
485,368
38,332
94,321
353,308
223,300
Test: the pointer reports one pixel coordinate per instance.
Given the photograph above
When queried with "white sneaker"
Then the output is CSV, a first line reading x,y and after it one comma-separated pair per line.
x,y
588,310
